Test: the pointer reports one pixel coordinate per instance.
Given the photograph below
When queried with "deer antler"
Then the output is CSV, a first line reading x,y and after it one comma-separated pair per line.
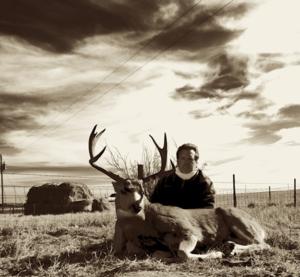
x,y
94,137
163,152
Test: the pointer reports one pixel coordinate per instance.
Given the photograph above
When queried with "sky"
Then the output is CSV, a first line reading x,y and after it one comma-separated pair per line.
x,y
221,74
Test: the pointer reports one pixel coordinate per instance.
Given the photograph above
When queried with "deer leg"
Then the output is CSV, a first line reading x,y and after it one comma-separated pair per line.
x,y
238,248
119,242
134,248
162,255
187,245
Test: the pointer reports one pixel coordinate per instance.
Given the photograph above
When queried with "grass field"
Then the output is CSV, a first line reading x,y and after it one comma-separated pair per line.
x,y
81,245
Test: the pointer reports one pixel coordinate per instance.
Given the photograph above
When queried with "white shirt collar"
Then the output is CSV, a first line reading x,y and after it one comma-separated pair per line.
x,y
185,176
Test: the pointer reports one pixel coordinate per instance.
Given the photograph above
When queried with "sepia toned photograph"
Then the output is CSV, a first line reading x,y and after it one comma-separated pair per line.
x,y
150,138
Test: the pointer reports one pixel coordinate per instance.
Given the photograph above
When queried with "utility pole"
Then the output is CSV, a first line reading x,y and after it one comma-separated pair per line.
x,y
2,168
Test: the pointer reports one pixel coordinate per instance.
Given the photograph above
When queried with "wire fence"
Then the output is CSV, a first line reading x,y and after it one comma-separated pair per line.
x,y
257,197
238,194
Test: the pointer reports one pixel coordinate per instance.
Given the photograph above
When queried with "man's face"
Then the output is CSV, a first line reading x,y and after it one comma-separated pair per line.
x,y
186,161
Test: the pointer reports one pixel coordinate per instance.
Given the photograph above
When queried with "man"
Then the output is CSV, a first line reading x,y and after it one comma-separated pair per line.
x,y
186,186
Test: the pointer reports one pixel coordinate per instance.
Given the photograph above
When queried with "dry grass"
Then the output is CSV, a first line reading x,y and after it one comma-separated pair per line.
x,y
81,245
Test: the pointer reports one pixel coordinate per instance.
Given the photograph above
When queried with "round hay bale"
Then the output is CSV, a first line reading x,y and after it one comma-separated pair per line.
x,y
56,198
101,204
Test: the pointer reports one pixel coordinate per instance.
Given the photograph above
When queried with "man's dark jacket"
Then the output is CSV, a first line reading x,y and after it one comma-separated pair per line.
x,y
197,192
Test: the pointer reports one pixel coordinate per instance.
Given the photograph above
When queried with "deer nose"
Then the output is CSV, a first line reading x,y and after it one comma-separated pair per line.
x,y
136,207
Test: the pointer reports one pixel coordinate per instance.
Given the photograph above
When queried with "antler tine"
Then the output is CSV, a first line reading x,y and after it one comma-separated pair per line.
x,y
93,139
163,152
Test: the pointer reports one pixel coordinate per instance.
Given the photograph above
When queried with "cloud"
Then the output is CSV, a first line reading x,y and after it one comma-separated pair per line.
x,y
185,75
254,97
292,143
265,129
226,74
191,93
187,37
20,112
14,116
238,10
14,110
63,25
199,114
225,83
225,161
269,62
262,133
252,115
228,71
201,29
290,112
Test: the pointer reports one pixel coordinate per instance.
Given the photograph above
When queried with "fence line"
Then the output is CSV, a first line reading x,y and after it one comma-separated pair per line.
x,y
239,195
17,197
254,197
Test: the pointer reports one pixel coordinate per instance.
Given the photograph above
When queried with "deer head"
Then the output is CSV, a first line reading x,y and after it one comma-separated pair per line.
x,y
129,192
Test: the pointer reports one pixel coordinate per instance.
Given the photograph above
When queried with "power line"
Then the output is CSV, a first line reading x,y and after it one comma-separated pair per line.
x,y
155,56
122,64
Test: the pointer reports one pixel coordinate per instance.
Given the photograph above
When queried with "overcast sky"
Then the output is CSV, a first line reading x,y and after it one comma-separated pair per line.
x,y
224,75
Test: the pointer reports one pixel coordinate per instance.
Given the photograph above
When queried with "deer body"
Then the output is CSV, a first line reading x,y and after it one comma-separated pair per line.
x,y
181,230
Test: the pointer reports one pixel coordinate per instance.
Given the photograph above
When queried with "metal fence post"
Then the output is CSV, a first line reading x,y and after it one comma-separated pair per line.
x,y
234,192
270,196
2,167
140,171
15,195
295,193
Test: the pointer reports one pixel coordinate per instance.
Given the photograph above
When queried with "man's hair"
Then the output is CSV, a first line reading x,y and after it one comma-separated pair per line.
x,y
188,146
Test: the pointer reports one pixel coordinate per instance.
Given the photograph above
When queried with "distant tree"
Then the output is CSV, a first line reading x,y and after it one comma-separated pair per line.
x,y
121,164
127,168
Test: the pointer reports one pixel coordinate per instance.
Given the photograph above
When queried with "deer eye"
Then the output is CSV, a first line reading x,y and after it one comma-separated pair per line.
x,y
126,190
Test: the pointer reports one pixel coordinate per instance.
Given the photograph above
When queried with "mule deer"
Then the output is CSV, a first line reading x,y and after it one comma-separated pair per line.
x,y
180,230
